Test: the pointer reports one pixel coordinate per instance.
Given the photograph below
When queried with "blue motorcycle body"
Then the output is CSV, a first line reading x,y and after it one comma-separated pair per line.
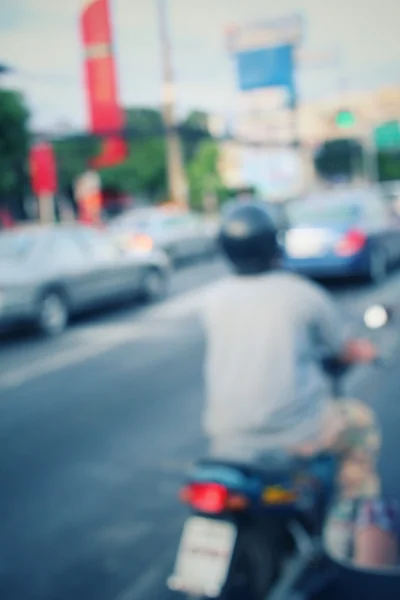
x,y
243,521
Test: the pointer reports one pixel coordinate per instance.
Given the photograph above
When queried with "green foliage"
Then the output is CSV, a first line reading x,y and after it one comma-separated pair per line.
x,y
203,174
143,172
73,155
194,126
197,119
389,166
14,142
144,121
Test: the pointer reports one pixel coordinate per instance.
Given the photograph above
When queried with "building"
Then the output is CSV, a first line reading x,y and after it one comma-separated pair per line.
x,y
313,124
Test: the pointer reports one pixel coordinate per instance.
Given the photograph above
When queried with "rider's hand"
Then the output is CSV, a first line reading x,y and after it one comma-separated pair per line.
x,y
360,350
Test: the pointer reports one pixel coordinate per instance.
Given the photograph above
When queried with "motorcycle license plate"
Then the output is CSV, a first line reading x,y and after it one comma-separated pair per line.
x,y
204,556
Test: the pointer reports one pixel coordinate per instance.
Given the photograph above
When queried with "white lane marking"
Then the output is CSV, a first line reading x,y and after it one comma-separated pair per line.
x,y
92,342
24,374
149,579
96,346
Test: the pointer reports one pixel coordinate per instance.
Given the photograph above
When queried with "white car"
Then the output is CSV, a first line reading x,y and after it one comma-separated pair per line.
x,y
182,235
48,273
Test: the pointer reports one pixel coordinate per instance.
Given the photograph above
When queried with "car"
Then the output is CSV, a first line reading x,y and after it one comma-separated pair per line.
x,y
276,210
182,235
49,273
342,233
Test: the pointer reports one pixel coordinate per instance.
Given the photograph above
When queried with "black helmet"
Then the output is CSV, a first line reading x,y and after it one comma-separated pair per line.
x,y
249,238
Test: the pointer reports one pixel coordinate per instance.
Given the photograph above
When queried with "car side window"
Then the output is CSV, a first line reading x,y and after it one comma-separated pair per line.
x,y
184,221
98,245
65,250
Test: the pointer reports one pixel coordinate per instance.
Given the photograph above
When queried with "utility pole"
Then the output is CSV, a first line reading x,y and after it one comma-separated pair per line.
x,y
177,185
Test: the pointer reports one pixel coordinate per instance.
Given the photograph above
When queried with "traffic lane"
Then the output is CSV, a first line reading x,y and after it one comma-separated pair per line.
x,y
117,522
381,391
21,345
39,398
96,336
82,465
72,460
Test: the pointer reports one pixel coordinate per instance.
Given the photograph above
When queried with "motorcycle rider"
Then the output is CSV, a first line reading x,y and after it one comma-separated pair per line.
x,y
267,331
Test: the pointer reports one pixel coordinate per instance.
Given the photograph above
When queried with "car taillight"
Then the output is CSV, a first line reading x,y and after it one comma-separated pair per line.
x,y
142,242
351,243
212,498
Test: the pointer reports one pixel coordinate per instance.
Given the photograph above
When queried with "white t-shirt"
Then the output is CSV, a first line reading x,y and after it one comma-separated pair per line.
x,y
264,384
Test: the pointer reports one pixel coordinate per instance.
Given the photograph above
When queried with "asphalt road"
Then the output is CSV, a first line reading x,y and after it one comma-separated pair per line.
x,y
96,431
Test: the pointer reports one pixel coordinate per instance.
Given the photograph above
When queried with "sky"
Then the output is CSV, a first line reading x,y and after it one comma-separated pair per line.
x,y
40,39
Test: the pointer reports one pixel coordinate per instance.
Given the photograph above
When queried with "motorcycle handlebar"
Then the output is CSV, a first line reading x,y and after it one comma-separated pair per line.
x,y
336,369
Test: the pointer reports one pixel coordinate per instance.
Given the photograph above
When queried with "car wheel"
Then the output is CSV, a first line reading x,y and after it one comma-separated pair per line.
x,y
53,313
155,285
378,266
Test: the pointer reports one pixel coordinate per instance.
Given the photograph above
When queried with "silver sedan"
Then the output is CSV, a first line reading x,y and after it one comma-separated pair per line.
x,y
49,273
181,235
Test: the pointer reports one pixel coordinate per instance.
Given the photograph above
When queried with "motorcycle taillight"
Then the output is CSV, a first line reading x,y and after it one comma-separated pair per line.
x,y
212,498
205,497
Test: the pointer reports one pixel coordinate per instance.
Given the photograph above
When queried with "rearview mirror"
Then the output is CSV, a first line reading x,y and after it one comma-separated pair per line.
x,y
363,534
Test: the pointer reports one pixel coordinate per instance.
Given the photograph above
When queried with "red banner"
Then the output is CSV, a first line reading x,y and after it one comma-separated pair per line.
x,y
113,152
43,169
105,113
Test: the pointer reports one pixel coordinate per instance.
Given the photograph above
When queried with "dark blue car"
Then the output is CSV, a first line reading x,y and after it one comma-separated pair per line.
x,y
342,234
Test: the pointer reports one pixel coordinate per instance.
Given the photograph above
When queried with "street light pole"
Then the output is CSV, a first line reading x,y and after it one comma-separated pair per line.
x,y
177,184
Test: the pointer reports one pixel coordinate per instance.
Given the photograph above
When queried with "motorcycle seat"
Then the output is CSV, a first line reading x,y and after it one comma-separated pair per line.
x,y
274,465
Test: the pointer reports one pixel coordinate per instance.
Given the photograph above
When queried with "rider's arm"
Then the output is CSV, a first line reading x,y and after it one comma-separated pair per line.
x,y
359,350
331,331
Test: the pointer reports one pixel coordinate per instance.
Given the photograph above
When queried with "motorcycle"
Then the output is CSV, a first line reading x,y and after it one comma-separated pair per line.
x,y
254,530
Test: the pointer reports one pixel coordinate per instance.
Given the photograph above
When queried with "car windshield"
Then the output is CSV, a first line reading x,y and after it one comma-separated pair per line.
x,y
142,223
323,214
15,247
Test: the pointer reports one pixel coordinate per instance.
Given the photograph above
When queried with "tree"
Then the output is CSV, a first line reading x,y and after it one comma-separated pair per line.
x,y
389,165
73,155
339,159
144,171
203,173
144,121
193,130
14,148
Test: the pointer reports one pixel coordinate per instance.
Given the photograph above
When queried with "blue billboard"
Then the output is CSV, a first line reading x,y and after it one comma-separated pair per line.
x,y
266,67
